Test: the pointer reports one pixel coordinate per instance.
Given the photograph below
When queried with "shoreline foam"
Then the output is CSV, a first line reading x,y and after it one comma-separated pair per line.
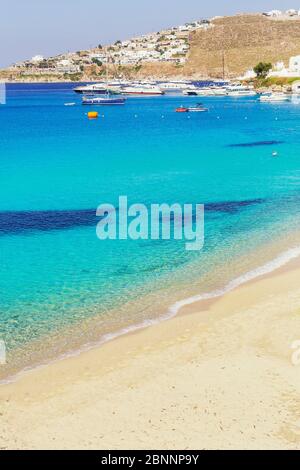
x,y
219,378
269,267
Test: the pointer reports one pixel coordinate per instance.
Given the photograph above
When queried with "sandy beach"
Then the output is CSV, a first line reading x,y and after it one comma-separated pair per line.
x,y
218,376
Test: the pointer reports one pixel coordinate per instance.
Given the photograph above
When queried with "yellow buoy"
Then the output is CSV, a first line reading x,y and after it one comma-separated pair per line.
x,y
92,115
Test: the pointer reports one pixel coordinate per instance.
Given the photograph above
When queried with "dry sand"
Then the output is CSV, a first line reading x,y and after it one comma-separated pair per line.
x,y
218,376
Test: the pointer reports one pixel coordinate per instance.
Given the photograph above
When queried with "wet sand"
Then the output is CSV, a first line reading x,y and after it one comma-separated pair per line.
x,y
220,375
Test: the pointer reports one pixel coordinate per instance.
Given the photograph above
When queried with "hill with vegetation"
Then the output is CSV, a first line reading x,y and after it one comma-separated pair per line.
x,y
224,46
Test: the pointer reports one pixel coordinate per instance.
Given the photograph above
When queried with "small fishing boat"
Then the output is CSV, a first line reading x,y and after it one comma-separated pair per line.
x,y
192,109
97,100
197,109
182,109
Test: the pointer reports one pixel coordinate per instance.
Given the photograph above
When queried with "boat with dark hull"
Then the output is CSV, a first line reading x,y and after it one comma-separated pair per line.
x,y
107,101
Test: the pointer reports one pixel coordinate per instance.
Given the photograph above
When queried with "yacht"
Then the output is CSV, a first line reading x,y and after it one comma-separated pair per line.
x,y
107,100
206,91
219,91
239,90
176,86
97,88
145,89
274,98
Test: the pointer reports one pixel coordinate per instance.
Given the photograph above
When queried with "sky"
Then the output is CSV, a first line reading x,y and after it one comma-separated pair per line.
x,y
50,27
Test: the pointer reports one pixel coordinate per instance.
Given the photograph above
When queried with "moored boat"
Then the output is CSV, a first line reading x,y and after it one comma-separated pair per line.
x,y
95,88
189,92
238,90
206,91
274,98
192,109
197,109
97,100
176,86
142,90
182,109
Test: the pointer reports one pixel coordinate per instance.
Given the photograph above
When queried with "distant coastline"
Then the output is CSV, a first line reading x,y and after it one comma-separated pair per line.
x,y
203,49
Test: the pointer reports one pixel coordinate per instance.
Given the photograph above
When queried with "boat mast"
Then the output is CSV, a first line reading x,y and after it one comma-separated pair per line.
x,y
223,63
223,51
107,63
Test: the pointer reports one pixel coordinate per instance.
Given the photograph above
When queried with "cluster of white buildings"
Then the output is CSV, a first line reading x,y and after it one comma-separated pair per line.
x,y
279,70
162,47
293,69
63,64
171,45
284,14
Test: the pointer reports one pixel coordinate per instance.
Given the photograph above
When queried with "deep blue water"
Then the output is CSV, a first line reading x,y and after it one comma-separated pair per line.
x,y
56,167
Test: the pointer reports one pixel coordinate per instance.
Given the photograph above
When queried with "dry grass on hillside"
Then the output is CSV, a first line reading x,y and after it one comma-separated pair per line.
x,y
246,40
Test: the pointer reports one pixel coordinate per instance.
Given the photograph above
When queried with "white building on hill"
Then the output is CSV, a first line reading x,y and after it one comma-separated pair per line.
x,y
282,14
36,59
291,12
294,65
66,66
273,13
293,70
296,87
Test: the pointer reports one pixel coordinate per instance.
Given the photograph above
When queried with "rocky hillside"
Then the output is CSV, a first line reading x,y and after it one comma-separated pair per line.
x,y
245,40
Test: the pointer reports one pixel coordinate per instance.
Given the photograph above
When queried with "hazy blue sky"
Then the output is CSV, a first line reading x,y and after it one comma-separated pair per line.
x,y
48,27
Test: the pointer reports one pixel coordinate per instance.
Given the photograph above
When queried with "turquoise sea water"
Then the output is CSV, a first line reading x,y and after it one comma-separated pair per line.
x,y
58,281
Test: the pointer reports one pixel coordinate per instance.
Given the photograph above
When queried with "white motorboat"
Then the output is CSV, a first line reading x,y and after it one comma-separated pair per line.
x,y
96,88
206,91
199,108
239,90
176,86
275,98
144,89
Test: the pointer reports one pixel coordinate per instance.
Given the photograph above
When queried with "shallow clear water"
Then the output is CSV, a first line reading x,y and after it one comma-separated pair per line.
x,y
56,167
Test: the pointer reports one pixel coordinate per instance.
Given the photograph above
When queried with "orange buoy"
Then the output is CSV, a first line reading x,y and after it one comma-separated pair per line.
x,y
92,115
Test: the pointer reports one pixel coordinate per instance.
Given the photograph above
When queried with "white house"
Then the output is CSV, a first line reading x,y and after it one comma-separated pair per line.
x,y
36,59
99,56
296,87
273,13
67,66
293,70
291,12
183,28
279,67
294,65
248,75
